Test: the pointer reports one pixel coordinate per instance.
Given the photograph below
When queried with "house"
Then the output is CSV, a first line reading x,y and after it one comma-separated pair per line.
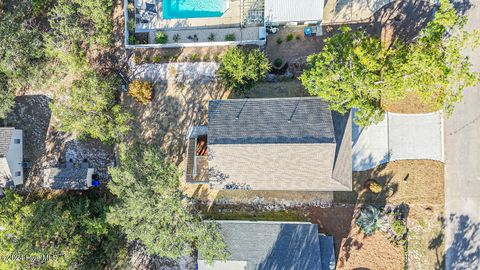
x,y
11,157
72,176
256,245
294,144
283,12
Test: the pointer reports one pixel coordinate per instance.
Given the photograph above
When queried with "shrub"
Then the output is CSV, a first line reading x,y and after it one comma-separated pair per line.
x,y
216,57
374,186
289,37
298,37
278,62
369,219
194,57
141,91
157,59
132,40
176,37
137,59
131,25
161,37
279,41
211,37
206,57
147,59
230,37
241,69
398,227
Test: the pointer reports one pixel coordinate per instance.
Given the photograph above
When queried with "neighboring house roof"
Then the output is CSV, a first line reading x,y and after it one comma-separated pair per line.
x,y
278,11
269,120
69,178
11,156
5,140
278,144
269,245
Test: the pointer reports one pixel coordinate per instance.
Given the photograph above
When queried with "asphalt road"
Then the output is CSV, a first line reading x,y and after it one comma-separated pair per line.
x,y
462,181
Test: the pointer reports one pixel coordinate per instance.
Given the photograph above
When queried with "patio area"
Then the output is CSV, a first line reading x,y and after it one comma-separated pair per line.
x,y
150,15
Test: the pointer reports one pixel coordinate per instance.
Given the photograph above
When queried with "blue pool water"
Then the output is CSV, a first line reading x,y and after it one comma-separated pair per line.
x,y
184,9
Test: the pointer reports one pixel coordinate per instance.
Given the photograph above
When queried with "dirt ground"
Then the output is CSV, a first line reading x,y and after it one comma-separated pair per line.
x,y
295,50
290,88
409,104
43,145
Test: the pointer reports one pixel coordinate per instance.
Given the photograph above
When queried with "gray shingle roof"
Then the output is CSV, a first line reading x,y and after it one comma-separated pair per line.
x,y
5,139
269,120
278,144
272,245
67,178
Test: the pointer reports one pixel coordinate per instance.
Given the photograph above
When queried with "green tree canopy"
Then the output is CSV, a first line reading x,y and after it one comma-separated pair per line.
x,y
88,108
355,70
241,69
151,208
71,229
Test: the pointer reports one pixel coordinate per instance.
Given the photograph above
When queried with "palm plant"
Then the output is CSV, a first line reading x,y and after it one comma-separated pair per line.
x,y
369,220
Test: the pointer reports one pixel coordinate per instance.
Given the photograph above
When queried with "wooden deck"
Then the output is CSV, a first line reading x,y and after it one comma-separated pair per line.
x,y
197,161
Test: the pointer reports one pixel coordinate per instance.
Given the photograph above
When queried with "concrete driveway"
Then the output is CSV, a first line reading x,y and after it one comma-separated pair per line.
x,y
398,137
462,170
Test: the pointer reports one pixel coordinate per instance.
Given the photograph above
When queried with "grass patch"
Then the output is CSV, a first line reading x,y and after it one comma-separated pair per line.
x,y
283,215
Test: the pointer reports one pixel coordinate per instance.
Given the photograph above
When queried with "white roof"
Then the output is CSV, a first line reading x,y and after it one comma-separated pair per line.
x,y
278,11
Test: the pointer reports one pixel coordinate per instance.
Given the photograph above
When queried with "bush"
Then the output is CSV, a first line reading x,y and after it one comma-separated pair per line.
x,y
211,37
206,58
137,59
398,227
194,57
279,41
216,57
132,40
374,186
161,37
141,91
240,69
157,59
147,59
278,62
298,37
289,37
176,37
369,219
230,37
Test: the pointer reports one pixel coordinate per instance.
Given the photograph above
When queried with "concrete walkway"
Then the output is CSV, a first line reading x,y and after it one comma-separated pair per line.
x,y
398,137
180,72
462,169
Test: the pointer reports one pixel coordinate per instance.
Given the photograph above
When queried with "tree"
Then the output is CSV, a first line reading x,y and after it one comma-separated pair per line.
x,y
346,74
72,230
88,109
355,70
151,208
21,53
7,96
240,69
369,220
141,91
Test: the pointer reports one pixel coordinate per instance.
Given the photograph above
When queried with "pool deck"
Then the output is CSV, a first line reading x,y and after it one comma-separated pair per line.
x,y
231,18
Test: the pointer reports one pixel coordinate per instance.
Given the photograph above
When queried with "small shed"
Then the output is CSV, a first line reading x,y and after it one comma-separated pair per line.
x,y
70,177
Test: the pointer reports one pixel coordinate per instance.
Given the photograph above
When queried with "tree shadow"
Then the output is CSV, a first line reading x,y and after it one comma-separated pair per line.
x,y
464,250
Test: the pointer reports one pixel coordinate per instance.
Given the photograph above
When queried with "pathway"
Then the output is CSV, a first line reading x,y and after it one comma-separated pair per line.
x,y
398,137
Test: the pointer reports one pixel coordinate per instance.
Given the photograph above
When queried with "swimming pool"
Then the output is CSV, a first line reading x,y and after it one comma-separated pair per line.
x,y
184,9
